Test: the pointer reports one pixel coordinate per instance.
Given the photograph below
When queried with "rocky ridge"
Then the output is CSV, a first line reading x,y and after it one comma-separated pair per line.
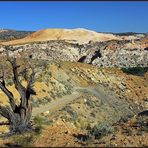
x,y
78,35
7,34
102,54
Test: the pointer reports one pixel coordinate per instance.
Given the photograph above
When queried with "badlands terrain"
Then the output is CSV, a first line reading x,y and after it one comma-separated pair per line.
x,y
92,88
80,45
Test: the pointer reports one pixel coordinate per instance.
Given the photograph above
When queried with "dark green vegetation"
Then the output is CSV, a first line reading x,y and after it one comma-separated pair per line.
x,y
140,71
127,33
12,34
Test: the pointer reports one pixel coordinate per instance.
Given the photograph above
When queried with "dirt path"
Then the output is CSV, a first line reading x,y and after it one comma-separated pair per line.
x,y
98,91
59,103
55,105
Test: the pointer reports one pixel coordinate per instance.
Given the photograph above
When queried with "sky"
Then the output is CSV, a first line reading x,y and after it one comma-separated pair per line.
x,y
97,16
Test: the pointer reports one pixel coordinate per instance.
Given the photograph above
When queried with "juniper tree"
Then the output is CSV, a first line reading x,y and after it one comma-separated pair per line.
x,y
18,115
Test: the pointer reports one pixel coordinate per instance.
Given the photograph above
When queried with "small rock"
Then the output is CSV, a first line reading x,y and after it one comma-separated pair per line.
x,y
67,132
85,100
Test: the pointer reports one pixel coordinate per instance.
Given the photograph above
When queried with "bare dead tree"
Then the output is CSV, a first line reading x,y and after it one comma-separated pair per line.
x,y
19,116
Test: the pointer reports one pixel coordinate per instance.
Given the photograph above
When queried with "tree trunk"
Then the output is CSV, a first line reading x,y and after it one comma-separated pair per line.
x,y
21,122
19,117
17,125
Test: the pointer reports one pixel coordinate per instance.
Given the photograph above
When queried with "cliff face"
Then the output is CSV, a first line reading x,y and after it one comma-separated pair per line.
x,y
102,54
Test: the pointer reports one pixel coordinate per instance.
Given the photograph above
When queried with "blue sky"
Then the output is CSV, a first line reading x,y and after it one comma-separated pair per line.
x,y
98,16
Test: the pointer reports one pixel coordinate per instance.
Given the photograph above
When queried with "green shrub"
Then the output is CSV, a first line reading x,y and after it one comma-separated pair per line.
x,y
40,121
140,71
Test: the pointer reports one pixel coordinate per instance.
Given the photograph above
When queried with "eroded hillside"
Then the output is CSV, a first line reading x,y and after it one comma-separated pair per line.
x,y
86,96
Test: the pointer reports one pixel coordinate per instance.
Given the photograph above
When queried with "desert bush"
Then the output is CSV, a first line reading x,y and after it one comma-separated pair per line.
x,y
27,139
90,103
42,101
39,122
24,140
100,130
82,124
71,112
47,99
93,114
143,124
